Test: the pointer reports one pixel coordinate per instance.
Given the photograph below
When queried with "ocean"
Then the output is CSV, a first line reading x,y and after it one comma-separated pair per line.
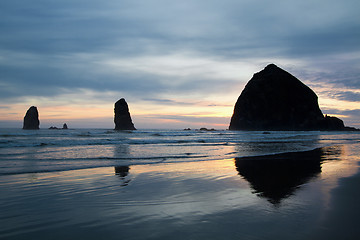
x,y
177,184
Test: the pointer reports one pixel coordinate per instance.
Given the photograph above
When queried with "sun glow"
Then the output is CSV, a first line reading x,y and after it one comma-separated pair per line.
x,y
144,114
345,166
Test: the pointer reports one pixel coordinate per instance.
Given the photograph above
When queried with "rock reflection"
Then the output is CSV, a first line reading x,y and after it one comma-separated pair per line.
x,y
121,150
123,172
276,177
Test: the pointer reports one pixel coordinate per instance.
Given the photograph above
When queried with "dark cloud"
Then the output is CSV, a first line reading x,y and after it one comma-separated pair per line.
x,y
229,28
335,40
348,96
49,81
355,113
349,79
167,101
336,73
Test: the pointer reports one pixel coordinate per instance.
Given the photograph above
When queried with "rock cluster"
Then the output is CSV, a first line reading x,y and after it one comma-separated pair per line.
x,y
64,127
31,119
276,100
122,117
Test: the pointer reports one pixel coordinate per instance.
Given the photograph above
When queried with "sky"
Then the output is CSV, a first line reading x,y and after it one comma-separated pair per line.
x,y
178,64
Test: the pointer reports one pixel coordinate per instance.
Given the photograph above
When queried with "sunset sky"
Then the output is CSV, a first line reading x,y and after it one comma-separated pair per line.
x,y
177,63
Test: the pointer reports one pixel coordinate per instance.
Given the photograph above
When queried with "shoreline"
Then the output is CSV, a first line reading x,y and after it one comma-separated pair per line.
x,y
132,161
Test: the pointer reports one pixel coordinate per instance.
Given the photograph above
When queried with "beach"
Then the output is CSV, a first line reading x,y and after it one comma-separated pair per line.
x,y
310,193
179,120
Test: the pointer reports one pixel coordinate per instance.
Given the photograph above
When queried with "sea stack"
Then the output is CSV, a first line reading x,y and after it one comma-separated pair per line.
x,y
122,117
276,100
31,119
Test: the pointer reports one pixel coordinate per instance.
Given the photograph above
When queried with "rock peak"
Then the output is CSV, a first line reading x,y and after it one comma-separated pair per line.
x,y
271,66
274,73
122,117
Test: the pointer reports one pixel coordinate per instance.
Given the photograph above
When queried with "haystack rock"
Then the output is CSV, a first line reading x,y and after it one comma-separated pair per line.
x,y
276,100
122,117
31,119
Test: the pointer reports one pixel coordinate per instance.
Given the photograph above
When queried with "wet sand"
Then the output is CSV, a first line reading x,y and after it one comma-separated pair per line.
x,y
308,195
342,218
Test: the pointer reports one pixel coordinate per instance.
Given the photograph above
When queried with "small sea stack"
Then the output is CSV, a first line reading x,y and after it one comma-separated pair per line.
x,y
122,117
274,99
63,128
31,119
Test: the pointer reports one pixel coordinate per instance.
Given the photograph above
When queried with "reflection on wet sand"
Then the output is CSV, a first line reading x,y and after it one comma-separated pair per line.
x,y
121,150
122,172
276,177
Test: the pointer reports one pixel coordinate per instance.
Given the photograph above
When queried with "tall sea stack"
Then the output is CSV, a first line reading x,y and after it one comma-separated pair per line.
x,y
122,117
276,100
31,119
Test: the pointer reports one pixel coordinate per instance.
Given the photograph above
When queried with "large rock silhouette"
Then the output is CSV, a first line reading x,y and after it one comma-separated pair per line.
x,y
276,100
31,119
122,117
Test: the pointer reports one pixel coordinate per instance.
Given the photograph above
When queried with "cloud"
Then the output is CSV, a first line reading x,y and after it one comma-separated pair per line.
x,y
337,91
227,28
34,75
186,51
348,96
167,101
180,121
